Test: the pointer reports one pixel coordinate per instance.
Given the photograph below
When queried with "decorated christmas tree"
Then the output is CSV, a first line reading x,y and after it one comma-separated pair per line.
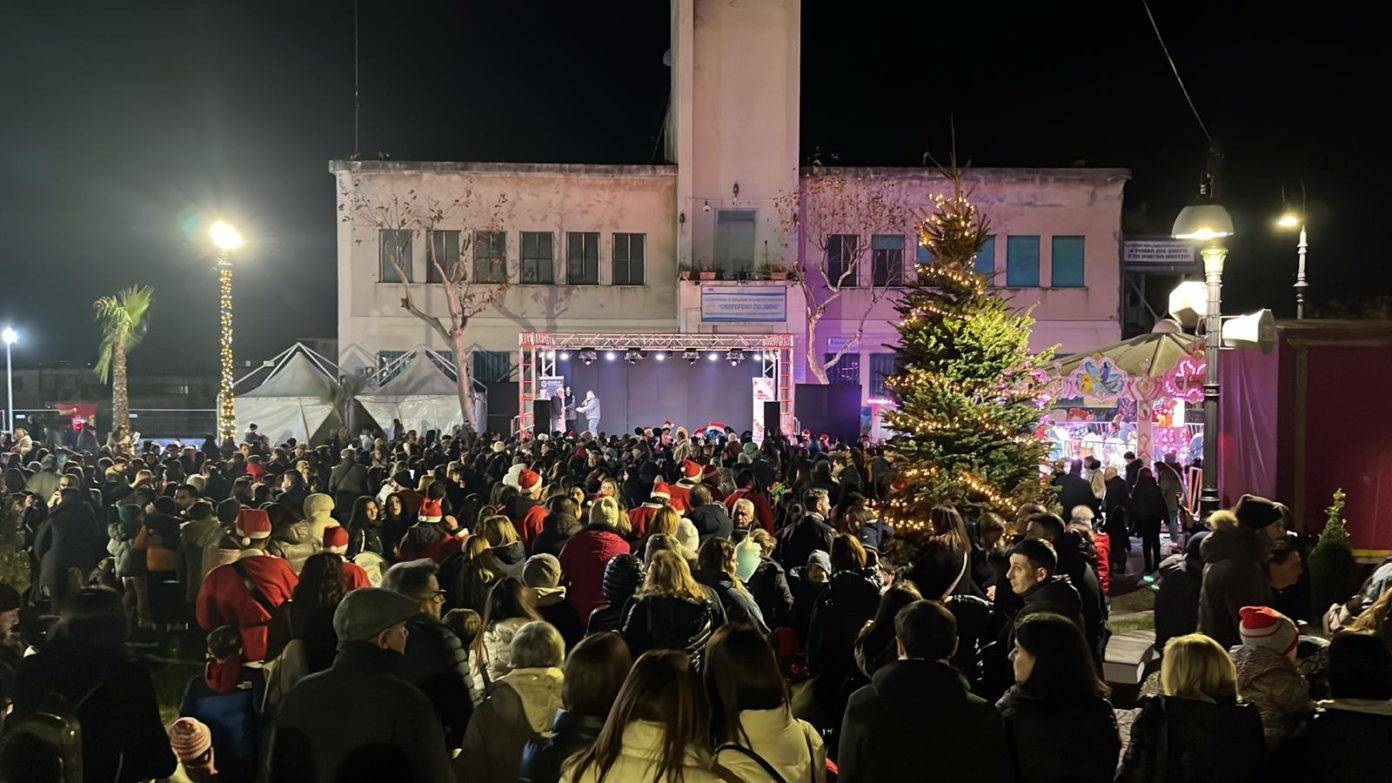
x,y
970,393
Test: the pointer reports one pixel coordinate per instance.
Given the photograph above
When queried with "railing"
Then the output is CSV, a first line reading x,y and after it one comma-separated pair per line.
x,y
148,422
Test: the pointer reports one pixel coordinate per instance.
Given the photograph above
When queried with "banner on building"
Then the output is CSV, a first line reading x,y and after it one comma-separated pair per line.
x,y
1157,251
763,392
744,304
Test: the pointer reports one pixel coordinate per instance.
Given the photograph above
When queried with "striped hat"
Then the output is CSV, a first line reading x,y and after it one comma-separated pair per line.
x,y
1262,626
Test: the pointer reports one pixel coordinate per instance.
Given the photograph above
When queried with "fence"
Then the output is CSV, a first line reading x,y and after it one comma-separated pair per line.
x,y
185,423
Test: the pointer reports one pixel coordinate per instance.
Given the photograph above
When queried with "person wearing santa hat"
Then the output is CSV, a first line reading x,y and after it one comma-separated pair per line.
x,y
1266,673
530,514
336,542
244,593
640,517
681,491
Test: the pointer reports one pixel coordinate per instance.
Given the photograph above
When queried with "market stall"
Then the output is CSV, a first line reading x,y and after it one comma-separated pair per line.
x,y
419,392
294,399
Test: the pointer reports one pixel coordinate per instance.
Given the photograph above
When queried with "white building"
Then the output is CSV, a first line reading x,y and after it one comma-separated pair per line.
x,y
589,248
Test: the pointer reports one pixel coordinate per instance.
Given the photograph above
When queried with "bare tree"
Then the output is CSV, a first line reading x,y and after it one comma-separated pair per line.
x,y
466,291
834,219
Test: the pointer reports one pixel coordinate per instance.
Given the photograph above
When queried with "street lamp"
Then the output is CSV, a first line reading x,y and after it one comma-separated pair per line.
x,y
10,336
1209,223
1290,221
227,239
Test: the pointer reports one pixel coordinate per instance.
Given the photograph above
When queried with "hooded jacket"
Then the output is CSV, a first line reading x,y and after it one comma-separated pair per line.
x,y
1055,594
924,706
739,605
1233,577
518,709
544,755
1177,600
583,559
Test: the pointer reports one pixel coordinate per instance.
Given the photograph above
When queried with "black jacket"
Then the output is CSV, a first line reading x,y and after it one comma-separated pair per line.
x,y
796,542
1055,594
437,664
711,521
1200,742
769,586
120,718
916,722
71,537
659,622
1233,577
1075,491
1060,742
739,605
360,715
1177,599
544,756
1146,511
555,532
1334,745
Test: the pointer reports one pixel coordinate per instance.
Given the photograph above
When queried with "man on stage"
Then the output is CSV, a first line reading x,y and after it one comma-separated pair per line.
x,y
558,410
590,408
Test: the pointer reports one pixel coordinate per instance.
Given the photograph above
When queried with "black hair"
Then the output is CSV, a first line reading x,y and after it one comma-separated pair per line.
x,y
927,630
1063,669
1039,552
1360,667
1050,522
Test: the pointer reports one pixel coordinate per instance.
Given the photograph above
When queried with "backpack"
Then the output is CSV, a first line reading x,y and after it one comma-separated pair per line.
x,y
45,746
279,628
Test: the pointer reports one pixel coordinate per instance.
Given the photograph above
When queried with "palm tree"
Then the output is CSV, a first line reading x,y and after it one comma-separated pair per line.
x,y
124,319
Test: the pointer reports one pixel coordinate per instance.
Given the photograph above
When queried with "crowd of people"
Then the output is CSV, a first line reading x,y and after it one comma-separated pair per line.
x,y
653,606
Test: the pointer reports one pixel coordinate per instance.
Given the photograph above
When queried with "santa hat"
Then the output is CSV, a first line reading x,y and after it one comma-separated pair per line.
x,y
430,511
690,470
527,480
336,540
513,473
661,491
189,738
252,523
1262,626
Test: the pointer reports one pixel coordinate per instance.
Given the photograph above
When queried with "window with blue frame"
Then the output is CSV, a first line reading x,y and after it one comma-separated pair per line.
x,y
985,262
846,369
1022,261
1066,266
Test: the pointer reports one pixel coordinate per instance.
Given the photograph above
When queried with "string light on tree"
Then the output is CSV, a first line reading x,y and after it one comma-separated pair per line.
x,y
227,239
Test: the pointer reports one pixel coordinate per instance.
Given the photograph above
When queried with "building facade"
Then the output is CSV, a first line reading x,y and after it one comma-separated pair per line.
x,y
623,248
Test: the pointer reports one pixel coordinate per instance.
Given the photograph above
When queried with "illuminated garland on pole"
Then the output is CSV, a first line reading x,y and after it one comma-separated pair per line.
x,y
227,413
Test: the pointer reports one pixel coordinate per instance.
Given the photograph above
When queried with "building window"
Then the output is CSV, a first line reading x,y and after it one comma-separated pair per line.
x,y
389,366
582,257
492,366
841,258
444,360
444,253
628,259
538,257
846,369
1022,261
395,251
1066,268
887,260
881,367
490,257
985,262
734,243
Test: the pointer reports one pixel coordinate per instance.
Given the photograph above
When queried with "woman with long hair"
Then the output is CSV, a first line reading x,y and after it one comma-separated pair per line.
x,y
594,673
1058,720
875,646
671,610
1197,730
396,519
656,730
510,606
322,586
365,528
752,726
505,545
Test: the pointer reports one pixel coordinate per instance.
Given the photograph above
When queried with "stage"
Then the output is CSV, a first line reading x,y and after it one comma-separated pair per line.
x,y
643,380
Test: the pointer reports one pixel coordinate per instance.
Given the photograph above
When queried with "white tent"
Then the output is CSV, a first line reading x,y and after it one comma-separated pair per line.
x,y
294,400
421,395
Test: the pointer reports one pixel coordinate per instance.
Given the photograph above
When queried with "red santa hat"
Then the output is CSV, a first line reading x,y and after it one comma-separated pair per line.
x,y
430,511
528,480
661,491
252,523
336,540
1262,626
690,470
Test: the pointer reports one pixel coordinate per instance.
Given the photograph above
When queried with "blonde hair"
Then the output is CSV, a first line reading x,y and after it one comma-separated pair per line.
x,y
498,530
1196,667
476,548
669,575
763,538
665,522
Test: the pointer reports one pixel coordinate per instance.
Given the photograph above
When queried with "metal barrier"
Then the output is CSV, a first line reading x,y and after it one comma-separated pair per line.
x,y
184,423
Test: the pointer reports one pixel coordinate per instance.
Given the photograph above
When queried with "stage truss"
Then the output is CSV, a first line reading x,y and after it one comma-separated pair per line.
x,y
537,354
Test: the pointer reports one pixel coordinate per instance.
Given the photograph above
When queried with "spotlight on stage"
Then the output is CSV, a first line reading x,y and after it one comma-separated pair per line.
x,y
550,354
734,357
691,355
712,356
610,356
633,356
565,356
588,355
661,356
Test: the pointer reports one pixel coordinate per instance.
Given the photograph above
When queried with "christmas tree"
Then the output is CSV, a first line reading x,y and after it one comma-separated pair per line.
x,y
970,393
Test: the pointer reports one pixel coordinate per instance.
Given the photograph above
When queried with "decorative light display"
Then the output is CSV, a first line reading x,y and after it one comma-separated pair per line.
x,y
227,413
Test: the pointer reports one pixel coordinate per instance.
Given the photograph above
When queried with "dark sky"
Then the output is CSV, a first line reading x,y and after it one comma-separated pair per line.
x,y
125,125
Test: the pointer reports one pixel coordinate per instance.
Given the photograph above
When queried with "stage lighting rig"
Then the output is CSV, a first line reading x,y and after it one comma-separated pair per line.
x,y
588,355
691,355
633,356
734,356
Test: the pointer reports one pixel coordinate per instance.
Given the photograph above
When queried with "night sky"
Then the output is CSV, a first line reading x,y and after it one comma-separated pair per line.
x,y
124,128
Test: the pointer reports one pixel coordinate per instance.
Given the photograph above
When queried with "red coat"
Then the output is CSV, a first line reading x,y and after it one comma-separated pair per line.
x,y
529,527
639,518
224,600
763,512
1101,546
355,575
681,497
583,559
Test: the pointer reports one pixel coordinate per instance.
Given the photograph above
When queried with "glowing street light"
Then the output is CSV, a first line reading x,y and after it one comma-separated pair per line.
x,y
10,337
227,239
1290,221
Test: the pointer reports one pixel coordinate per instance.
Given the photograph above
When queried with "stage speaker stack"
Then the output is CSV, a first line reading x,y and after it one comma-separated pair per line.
x,y
771,423
541,416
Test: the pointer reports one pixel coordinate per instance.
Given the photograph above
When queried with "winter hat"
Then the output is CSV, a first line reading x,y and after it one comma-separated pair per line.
x,y
605,511
661,491
129,514
690,470
622,576
318,504
189,738
1264,627
1257,512
498,447
747,554
367,611
527,480
165,505
402,477
542,570
253,523
336,540
687,535
749,450
9,598
820,557
430,511
510,478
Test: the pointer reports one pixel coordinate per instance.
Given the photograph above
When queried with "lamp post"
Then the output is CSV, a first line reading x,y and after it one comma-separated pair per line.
x,y
1289,221
1209,223
10,337
227,239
